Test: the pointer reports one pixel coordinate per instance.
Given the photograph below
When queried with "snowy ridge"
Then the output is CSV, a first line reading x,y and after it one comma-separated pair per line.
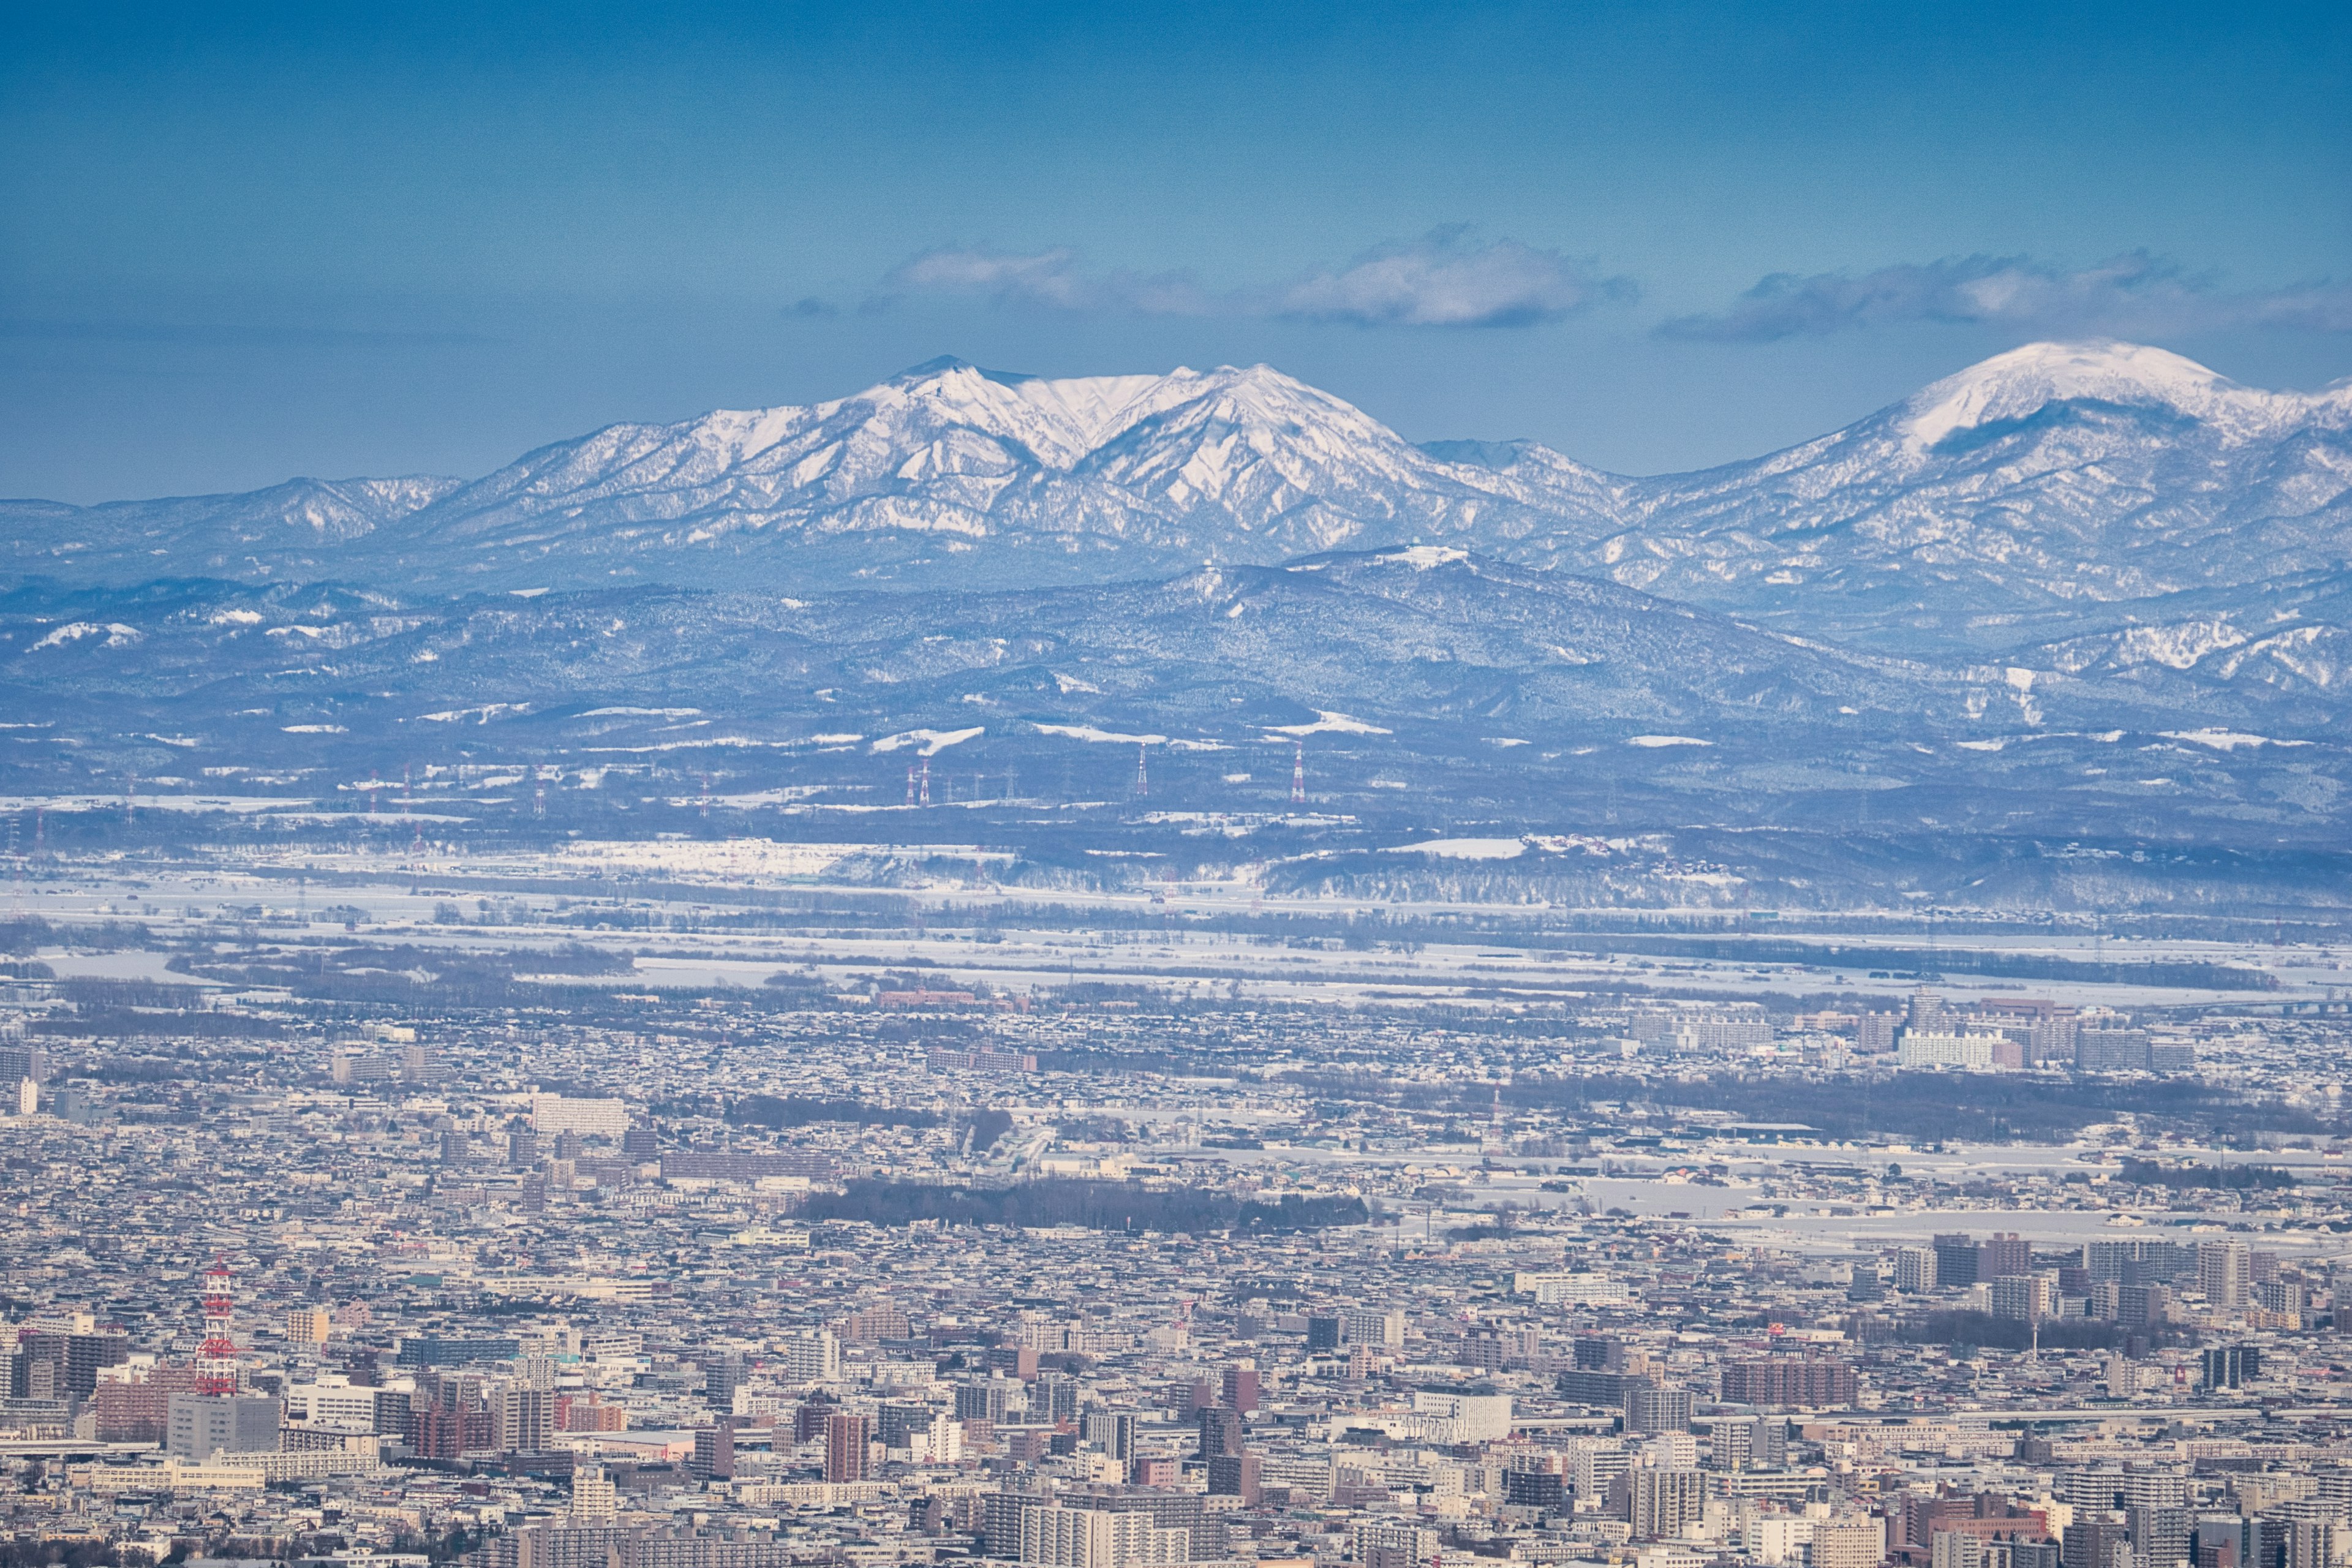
x,y
2051,481
2056,474
1231,463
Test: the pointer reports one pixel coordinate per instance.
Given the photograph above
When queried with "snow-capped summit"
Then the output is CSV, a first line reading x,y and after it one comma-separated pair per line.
x,y
999,476
2053,475
2024,381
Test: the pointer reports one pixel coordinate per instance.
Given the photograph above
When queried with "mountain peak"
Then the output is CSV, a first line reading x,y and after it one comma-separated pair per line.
x,y
2022,381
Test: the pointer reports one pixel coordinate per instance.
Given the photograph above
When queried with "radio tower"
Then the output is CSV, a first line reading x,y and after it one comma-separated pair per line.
x,y
923,785
1143,778
910,783
1298,773
216,1357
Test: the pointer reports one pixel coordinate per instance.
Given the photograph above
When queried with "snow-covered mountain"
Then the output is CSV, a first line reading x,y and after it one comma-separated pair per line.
x,y
949,472
2032,498
2058,477
303,528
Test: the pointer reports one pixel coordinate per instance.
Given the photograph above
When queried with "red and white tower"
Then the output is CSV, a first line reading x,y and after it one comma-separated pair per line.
x,y
216,1357
1298,773
923,785
1143,778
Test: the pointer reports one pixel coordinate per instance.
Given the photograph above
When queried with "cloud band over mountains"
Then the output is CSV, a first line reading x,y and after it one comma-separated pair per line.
x,y
1445,279
2135,294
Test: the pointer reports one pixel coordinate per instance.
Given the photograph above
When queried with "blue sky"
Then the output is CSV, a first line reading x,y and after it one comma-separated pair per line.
x,y
245,242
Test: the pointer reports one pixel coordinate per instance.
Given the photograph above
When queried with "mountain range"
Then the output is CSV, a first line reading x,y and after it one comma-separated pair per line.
x,y
2041,488
2075,588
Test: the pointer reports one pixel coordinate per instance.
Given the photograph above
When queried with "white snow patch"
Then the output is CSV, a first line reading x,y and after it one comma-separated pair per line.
x,y
1328,722
2225,739
1421,557
482,715
1656,741
1981,745
931,742
117,635
1089,732
1069,683
234,618
314,728
640,713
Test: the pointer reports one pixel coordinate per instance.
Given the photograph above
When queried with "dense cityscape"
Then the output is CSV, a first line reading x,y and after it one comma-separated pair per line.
x,y
406,1229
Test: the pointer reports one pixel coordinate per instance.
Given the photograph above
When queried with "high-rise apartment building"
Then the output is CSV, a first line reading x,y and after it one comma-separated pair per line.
x,y
847,1435
1650,1409
2224,1270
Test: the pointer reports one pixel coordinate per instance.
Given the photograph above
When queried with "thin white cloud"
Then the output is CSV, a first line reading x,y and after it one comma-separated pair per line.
x,y
1442,279
2133,294
1047,278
